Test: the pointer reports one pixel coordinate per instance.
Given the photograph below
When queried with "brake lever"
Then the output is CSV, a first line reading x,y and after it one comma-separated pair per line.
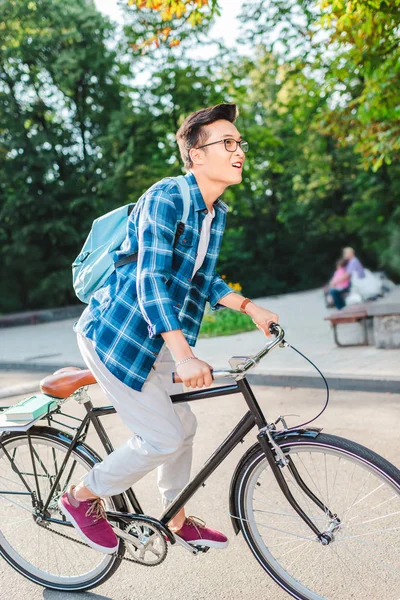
x,y
276,330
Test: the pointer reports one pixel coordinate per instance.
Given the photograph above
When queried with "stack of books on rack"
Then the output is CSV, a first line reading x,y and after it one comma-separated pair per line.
x,y
26,412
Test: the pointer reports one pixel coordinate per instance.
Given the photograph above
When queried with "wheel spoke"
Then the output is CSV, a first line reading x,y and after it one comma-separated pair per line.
x,y
39,545
360,581
373,508
393,571
376,532
354,563
376,519
302,537
296,548
346,512
279,514
367,496
8,499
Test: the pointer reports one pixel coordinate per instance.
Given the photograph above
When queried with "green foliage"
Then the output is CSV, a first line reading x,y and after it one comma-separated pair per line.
x,y
166,23
225,322
59,86
351,53
297,204
78,139
351,48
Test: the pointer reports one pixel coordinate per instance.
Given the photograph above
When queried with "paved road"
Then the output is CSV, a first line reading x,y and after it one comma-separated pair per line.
x,y
371,419
53,345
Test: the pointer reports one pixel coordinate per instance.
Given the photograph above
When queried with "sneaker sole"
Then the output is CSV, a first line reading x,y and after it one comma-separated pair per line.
x,y
92,544
209,543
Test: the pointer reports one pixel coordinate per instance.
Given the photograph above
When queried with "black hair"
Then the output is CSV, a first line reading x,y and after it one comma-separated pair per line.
x,y
193,133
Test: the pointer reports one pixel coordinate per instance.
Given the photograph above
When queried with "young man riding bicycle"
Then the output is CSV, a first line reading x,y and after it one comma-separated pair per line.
x,y
143,323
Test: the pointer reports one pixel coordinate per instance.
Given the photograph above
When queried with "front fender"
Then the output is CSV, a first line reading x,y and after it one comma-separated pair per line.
x,y
310,433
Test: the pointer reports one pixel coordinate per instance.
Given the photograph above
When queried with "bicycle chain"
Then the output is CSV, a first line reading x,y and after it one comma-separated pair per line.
x,y
122,557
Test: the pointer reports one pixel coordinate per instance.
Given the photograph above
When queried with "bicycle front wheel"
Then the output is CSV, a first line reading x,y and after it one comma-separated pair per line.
x,y
361,495
47,553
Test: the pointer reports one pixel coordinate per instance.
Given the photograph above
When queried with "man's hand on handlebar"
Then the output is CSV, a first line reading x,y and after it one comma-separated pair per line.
x,y
195,373
262,317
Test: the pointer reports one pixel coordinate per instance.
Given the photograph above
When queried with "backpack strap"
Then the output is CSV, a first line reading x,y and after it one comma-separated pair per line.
x,y
185,191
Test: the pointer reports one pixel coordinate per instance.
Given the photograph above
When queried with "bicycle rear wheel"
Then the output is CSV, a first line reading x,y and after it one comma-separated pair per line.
x,y
361,488
40,552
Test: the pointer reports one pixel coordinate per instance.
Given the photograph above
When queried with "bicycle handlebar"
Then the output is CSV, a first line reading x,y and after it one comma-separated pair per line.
x,y
250,362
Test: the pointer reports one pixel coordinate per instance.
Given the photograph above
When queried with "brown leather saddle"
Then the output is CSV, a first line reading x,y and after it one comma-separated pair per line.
x,y
66,381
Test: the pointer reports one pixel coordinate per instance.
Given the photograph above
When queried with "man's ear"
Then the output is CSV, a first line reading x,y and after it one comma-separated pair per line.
x,y
196,156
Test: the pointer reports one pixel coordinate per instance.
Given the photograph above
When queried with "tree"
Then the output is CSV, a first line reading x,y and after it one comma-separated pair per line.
x,y
351,48
341,60
77,139
59,86
168,22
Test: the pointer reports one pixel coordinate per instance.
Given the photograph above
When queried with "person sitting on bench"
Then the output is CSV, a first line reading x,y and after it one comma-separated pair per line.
x,y
339,284
353,266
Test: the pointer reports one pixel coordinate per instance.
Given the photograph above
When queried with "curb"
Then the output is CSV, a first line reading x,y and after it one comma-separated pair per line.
x,y
335,381
41,316
352,384
17,390
45,367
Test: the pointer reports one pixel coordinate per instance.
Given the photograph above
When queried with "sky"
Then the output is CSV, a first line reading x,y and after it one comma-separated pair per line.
x,y
226,26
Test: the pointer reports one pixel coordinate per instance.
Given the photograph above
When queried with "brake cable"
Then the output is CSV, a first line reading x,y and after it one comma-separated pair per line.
x,y
326,385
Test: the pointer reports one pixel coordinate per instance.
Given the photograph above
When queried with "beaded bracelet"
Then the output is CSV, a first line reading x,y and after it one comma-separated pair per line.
x,y
184,360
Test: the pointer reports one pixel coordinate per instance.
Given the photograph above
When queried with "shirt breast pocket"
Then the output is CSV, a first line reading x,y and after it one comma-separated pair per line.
x,y
186,239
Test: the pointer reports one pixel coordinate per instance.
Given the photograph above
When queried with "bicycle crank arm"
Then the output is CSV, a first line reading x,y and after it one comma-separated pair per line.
x,y
186,546
128,538
127,518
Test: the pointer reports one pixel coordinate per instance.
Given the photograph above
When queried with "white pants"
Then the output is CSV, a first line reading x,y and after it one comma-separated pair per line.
x,y
162,432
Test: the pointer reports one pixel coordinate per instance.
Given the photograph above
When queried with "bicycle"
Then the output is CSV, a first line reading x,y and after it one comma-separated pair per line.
x,y
319,513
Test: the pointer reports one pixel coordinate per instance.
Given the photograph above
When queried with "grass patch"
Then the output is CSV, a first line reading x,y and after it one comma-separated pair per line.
x,y
224,322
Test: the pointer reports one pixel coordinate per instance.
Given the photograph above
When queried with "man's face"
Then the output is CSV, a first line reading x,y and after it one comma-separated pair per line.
x,y
217,163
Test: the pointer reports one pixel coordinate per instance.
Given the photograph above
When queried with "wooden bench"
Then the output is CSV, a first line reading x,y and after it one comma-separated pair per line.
x,y
356,313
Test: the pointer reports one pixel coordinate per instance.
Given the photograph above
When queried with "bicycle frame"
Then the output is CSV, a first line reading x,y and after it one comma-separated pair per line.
x,y
253,417
93,415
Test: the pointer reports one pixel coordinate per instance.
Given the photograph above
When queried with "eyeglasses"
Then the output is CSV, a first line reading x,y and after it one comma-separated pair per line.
x,y
230,145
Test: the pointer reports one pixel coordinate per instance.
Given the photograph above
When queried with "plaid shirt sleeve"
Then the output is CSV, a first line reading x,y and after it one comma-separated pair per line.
x,y
218,289
157,222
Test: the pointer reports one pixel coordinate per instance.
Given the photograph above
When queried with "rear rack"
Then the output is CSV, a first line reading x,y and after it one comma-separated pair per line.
x,y
80,396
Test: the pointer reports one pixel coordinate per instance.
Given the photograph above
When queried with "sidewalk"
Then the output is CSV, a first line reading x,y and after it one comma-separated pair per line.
x,y
49,346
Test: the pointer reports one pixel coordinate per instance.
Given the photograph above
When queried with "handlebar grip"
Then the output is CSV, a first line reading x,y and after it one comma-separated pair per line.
x,y
177,379
274,328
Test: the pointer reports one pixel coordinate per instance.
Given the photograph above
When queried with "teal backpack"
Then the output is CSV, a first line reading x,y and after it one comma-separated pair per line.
x,y
95,263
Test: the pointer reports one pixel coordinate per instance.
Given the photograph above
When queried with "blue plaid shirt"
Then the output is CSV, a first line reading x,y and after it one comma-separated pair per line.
x,y
156,293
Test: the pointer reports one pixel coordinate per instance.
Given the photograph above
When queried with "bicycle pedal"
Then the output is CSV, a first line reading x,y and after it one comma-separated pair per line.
x,y
202,549
189,547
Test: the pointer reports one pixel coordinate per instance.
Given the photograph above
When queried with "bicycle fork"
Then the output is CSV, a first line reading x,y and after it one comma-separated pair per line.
x,y
278,461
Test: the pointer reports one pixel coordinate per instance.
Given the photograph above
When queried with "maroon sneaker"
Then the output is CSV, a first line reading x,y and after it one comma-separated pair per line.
x,y
195,532
89,519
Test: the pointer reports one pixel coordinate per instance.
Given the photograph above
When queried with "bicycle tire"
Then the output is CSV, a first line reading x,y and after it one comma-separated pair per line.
x,y
255,460
87,457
